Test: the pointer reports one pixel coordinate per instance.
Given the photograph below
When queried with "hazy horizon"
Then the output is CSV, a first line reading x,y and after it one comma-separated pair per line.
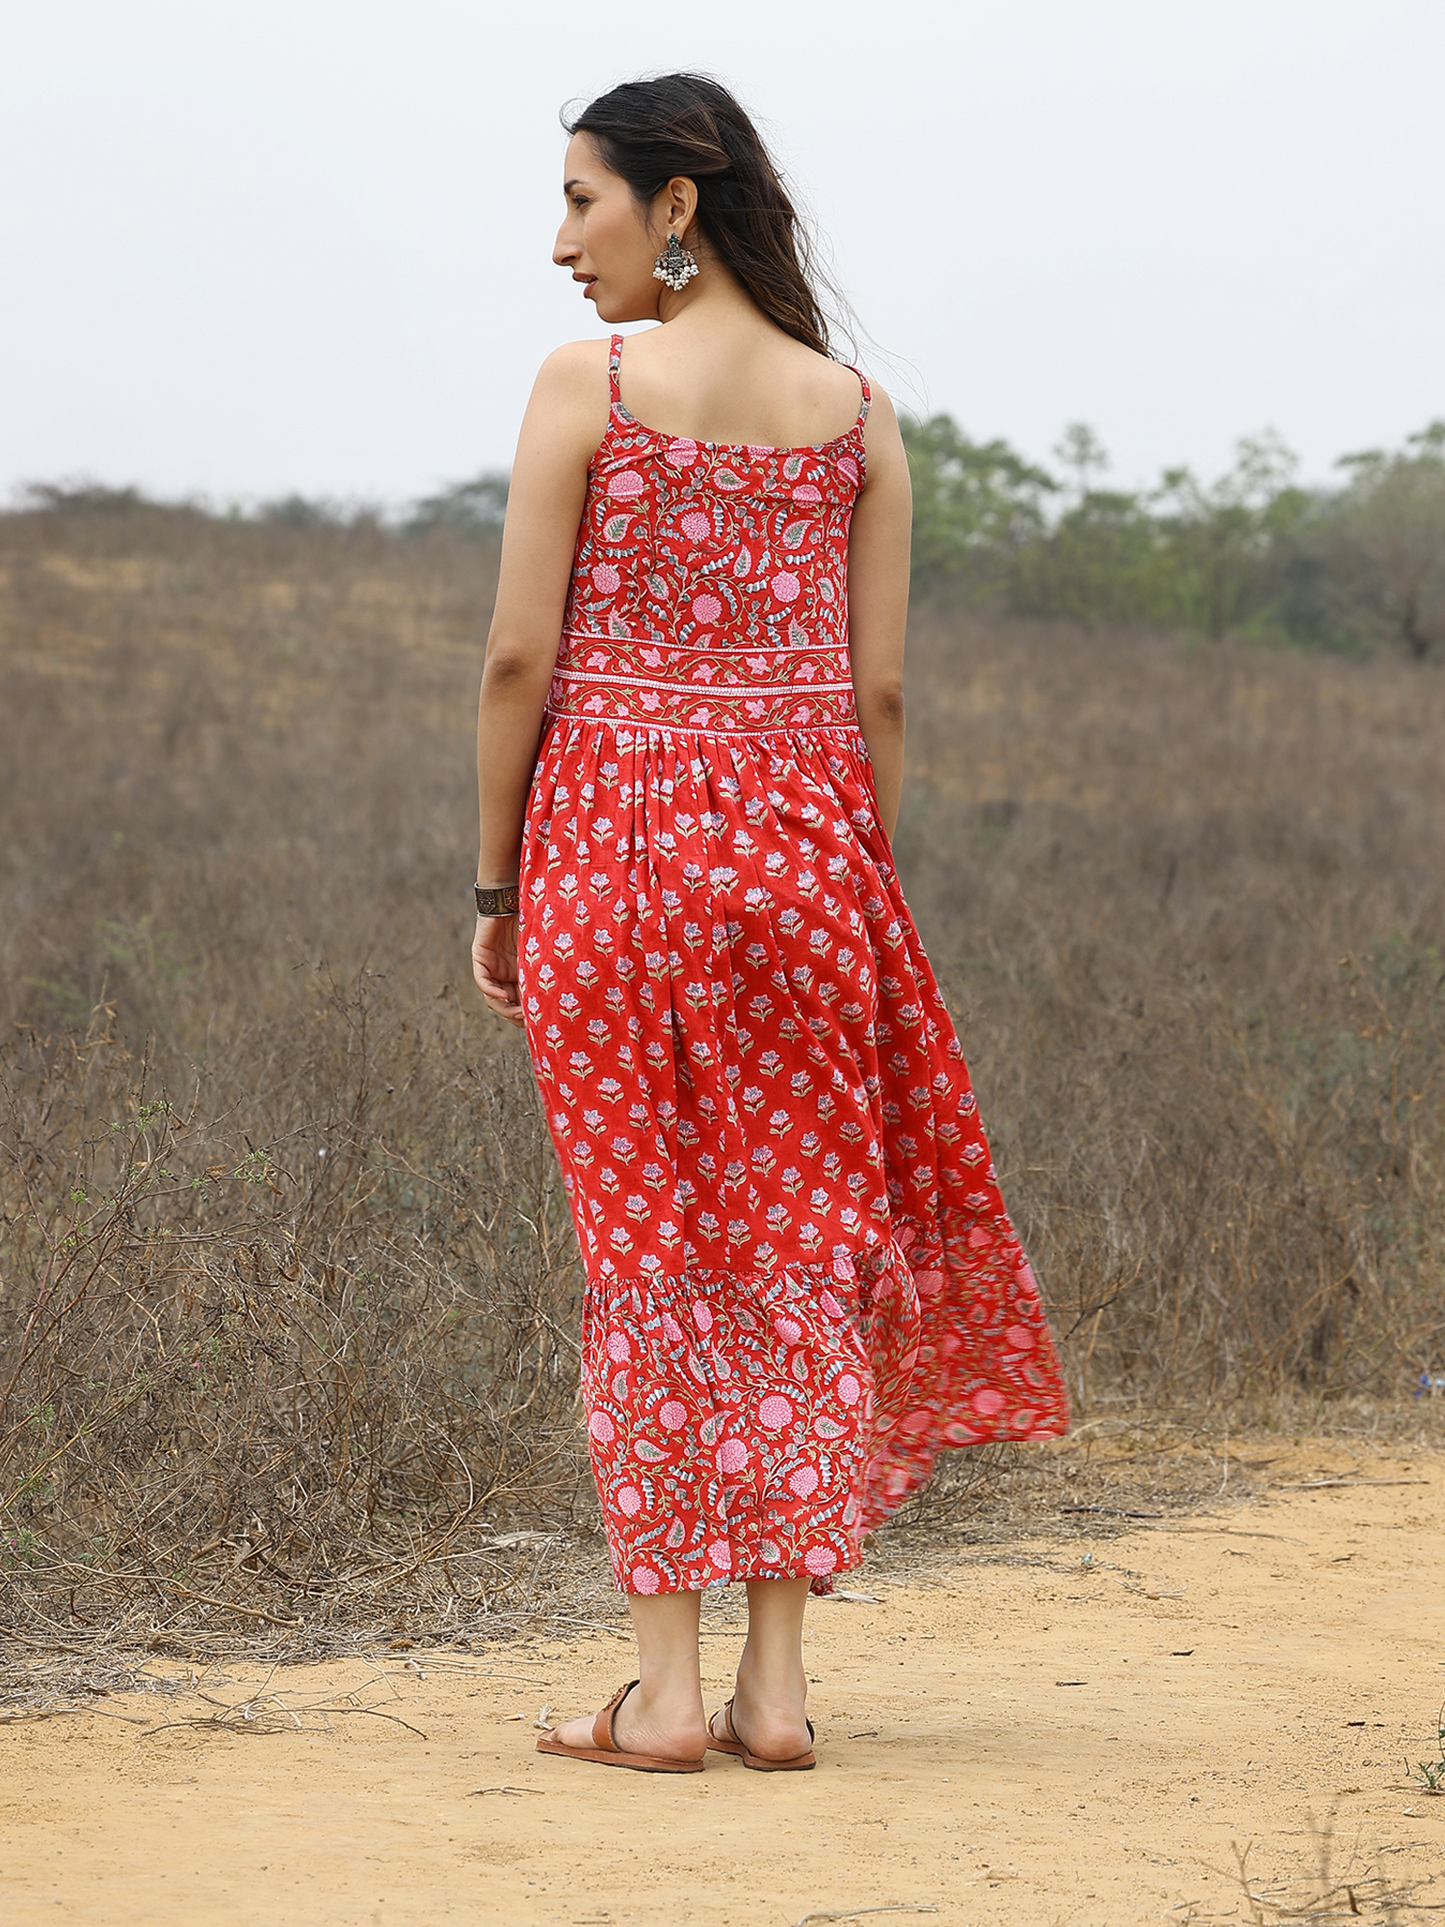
x,y
309,248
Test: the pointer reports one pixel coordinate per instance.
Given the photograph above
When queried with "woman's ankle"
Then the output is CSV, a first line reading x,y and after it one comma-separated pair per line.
x,y
772,1683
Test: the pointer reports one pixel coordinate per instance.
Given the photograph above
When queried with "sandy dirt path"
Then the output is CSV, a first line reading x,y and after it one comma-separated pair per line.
x,y
1039,1733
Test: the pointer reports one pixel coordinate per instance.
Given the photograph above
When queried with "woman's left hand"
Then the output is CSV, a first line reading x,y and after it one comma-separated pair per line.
x,y
494,965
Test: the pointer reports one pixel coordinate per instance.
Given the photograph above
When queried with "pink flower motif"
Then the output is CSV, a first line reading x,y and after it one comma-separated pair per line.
x,y
702,1316
651,700
821,1560
788,1329
774,1412
629,1500
602,1428
625,486
732,1455
805,492
847,466
605,579
682,453
696,526
673,1415
720,1555
645,1580
618,1348
671,1330
785,586
849,1390
805,1483
1020,1338
988,1403
706,608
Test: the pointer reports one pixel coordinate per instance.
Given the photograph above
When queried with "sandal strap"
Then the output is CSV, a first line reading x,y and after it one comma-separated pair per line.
x,y
602,1725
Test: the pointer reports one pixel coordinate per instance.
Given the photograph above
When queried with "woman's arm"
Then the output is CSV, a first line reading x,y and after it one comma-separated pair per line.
x,y
565,421
878,601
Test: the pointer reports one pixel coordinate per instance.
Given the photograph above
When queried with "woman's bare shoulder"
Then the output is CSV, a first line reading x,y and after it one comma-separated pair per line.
x,y
574,367
570,397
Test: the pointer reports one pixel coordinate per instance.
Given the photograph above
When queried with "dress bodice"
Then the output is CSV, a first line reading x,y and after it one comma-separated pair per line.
x,y
709,585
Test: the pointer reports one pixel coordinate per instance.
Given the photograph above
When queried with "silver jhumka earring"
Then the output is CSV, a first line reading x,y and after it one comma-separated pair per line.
x,y
676,265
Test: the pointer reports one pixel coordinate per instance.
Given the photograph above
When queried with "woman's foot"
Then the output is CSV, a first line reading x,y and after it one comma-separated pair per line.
x,y
670,1728
724,1736
778,1733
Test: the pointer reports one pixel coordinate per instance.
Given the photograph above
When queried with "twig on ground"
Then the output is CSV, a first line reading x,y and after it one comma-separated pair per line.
x,y
1325,1485
857,1913
1111,1512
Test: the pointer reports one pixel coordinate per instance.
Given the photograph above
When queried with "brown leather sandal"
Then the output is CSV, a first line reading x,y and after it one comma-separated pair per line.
x,y
802,1763
605,1751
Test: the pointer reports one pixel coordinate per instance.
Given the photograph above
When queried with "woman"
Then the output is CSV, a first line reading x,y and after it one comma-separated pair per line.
x,y
801,1282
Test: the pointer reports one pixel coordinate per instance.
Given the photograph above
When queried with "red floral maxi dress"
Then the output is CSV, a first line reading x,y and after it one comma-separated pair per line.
x,y
801,1281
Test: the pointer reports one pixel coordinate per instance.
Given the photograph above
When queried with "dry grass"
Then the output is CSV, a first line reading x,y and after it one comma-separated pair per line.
x,y
289,1297
1192,906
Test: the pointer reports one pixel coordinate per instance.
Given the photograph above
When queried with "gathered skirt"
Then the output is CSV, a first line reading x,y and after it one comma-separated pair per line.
x,y
801,1280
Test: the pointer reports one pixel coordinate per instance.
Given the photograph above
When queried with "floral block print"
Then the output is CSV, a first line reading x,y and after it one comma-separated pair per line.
x,y
802,1283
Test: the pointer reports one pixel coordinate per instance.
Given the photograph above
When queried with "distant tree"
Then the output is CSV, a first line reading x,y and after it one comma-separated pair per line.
x,y
1080,450
1387,539
478,506
1104,560
81,497
305,512
1219,538
975,504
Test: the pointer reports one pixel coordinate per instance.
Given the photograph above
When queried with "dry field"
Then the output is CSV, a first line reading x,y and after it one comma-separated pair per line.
x,y
287,1326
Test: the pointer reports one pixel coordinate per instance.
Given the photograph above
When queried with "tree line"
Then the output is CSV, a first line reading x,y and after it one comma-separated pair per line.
x,y
1252,553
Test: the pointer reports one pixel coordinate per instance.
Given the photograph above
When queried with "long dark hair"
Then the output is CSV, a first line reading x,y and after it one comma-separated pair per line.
x,y
649,131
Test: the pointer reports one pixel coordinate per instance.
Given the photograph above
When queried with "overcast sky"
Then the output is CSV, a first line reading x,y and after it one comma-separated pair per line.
x,y
269,245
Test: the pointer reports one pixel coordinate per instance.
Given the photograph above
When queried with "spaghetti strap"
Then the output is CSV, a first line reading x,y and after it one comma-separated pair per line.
x,y
614,363
867,392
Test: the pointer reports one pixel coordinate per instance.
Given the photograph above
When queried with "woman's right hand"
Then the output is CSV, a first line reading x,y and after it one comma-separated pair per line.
x,y
494,965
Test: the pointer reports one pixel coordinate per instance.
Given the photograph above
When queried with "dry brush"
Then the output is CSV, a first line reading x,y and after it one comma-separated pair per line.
x,y
290,1302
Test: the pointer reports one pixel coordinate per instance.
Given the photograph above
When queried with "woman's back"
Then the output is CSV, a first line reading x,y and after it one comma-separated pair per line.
x,y
710,579
745,385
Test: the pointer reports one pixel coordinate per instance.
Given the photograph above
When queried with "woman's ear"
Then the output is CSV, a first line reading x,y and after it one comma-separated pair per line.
x,y
679,204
